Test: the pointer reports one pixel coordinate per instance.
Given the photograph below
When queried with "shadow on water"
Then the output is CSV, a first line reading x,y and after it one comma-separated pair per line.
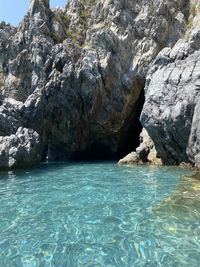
x,y
184,203
44,167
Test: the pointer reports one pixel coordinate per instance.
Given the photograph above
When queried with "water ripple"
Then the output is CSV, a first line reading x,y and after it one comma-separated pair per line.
x,y
82,214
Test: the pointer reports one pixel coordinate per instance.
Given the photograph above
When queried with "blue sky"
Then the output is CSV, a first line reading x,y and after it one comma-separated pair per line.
x,y
13,11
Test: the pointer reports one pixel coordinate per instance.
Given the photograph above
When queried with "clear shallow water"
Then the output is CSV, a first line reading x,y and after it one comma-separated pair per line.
x,y
65,215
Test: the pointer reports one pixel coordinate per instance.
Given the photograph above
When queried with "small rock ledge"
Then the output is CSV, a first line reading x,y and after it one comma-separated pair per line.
x,y
144,154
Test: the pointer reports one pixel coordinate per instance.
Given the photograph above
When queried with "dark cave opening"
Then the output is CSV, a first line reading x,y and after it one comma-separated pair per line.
x,y
102,147
130,137
98,150
116,147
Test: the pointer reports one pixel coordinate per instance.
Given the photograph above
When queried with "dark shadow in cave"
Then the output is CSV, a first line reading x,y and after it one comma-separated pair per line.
x,y
101,148
129,139
98,150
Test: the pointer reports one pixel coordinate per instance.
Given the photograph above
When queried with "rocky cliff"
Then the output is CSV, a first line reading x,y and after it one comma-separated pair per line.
x,y
72,80
171,113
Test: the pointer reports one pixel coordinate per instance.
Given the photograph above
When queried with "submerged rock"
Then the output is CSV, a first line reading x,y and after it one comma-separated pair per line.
x,y
184,203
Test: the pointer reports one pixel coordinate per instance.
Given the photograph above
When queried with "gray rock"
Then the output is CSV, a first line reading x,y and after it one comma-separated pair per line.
x,y
10,118
80,72
171,110
20,149
131,158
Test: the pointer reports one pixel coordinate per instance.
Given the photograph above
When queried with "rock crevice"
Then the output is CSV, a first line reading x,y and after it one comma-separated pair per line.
x,y
79,75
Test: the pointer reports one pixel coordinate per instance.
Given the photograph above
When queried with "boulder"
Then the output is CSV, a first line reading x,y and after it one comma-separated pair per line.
x,y
20,149
131,158
145,152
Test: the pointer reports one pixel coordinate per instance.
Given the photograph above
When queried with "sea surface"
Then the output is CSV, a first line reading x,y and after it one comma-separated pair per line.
x,y
99,214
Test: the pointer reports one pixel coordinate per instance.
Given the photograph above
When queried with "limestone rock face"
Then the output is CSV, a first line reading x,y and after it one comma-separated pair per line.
x,y
171,110
145,153
79,72
10,119
20,149
131,158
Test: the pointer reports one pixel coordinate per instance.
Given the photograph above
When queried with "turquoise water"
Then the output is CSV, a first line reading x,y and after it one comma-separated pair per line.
x,y
98,214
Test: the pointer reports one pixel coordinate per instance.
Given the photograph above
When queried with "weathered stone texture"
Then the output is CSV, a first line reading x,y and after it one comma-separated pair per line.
x,y
79,73
171,110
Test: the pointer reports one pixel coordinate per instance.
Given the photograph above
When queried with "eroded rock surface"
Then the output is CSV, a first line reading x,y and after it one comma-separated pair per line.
x,y
171,110
144,153
20,149
80,72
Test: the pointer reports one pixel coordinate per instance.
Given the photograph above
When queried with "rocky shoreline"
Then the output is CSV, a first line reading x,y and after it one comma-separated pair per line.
x,y
83,81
